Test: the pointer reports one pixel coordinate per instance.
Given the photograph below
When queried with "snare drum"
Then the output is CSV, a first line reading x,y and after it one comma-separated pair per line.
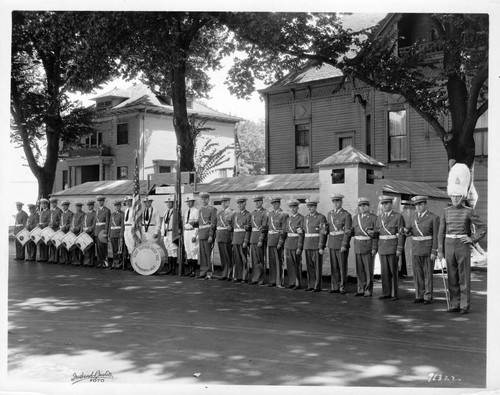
x,y
35,235
47,234
57,238
147,258
68,241
84,241
23,236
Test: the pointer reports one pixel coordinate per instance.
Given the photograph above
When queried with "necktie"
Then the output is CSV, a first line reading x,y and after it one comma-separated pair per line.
x,y
146,216
126,217
167,220
189,212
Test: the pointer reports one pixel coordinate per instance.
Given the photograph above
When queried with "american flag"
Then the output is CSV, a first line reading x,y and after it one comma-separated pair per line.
x,y
136,206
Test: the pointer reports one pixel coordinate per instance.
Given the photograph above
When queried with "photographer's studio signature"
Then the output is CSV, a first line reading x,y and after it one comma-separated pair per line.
x,y
92,377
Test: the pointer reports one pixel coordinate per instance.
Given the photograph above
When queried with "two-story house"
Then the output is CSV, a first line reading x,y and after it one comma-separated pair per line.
x,y
310,115
134,119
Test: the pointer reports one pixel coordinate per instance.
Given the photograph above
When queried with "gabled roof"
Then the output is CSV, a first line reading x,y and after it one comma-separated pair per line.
x,y
139,95
269,182
310,72
348,156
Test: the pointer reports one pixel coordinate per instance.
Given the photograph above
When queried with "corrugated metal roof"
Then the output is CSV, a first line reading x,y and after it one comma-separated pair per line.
x,y
349,155
141,95
412,188
106,188
269,182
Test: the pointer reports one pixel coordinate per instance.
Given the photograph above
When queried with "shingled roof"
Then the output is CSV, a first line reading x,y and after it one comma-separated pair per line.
x,y
141,95
268,182
349,156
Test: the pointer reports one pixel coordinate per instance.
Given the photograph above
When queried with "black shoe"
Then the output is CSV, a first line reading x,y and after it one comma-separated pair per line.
x,y
317,290
395,298
271,285
427,302
359,294
297,287
384,297
229,279
253,283
333,291
198,276
308,289
464,311
192,275
367,295
291,286
343,292
237,280
453,310
418,301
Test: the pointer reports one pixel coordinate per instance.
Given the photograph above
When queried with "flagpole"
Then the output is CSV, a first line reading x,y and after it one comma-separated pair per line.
x,y
178,197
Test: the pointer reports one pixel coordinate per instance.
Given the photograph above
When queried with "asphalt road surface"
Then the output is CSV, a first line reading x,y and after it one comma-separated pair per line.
x,y
66,322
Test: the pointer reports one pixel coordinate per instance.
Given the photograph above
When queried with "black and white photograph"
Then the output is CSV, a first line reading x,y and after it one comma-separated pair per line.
x,y
220,197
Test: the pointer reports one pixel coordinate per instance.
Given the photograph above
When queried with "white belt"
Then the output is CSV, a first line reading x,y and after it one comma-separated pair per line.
x,y
148,225
205,226
128,224
293,235
255,230
362,237
116,227
274,232
100,223
422,238
239,230
455,236
311,235
386,237
337,233
222,228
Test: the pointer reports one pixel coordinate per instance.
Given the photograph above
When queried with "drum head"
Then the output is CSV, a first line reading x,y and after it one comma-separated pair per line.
x,y
147,258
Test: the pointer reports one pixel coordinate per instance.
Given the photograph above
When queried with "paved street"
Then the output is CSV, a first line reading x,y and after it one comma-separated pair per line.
x,y
163,329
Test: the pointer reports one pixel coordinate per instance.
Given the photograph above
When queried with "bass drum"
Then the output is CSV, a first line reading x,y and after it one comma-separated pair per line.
x,y
147,258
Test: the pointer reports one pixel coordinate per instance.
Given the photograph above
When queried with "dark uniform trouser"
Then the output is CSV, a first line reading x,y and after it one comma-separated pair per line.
x,y
20,251
65,256
314,262
89,255
225,254
115,246
293,267
53,253
338,269
77,256
205,256
258,267
31,250
241,262
364,273
43,252
275,265
423,269
389,268
102,252
457,256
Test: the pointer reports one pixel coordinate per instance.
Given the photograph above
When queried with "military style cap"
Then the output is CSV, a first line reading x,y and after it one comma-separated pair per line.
x,y
385,198
293,202
336,196
19,204
78,204
118,202
100,198
65,202
363,200
190,198
204,195
275,199
240,199
256,198
169,198
127,198
53,200
419,199
312,202
224,198
147,199
43,200
90,202
31,206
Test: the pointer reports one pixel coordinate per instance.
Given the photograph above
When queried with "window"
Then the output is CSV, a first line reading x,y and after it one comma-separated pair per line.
x,y
222,173
93,140
345,142
370,176
338,176
122,133
122,173
481,135
398,136
164,166
104,104
165,169
302,146
65,179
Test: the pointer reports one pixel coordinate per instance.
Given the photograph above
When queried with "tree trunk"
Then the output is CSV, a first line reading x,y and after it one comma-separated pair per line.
x,y
183,129
45,183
